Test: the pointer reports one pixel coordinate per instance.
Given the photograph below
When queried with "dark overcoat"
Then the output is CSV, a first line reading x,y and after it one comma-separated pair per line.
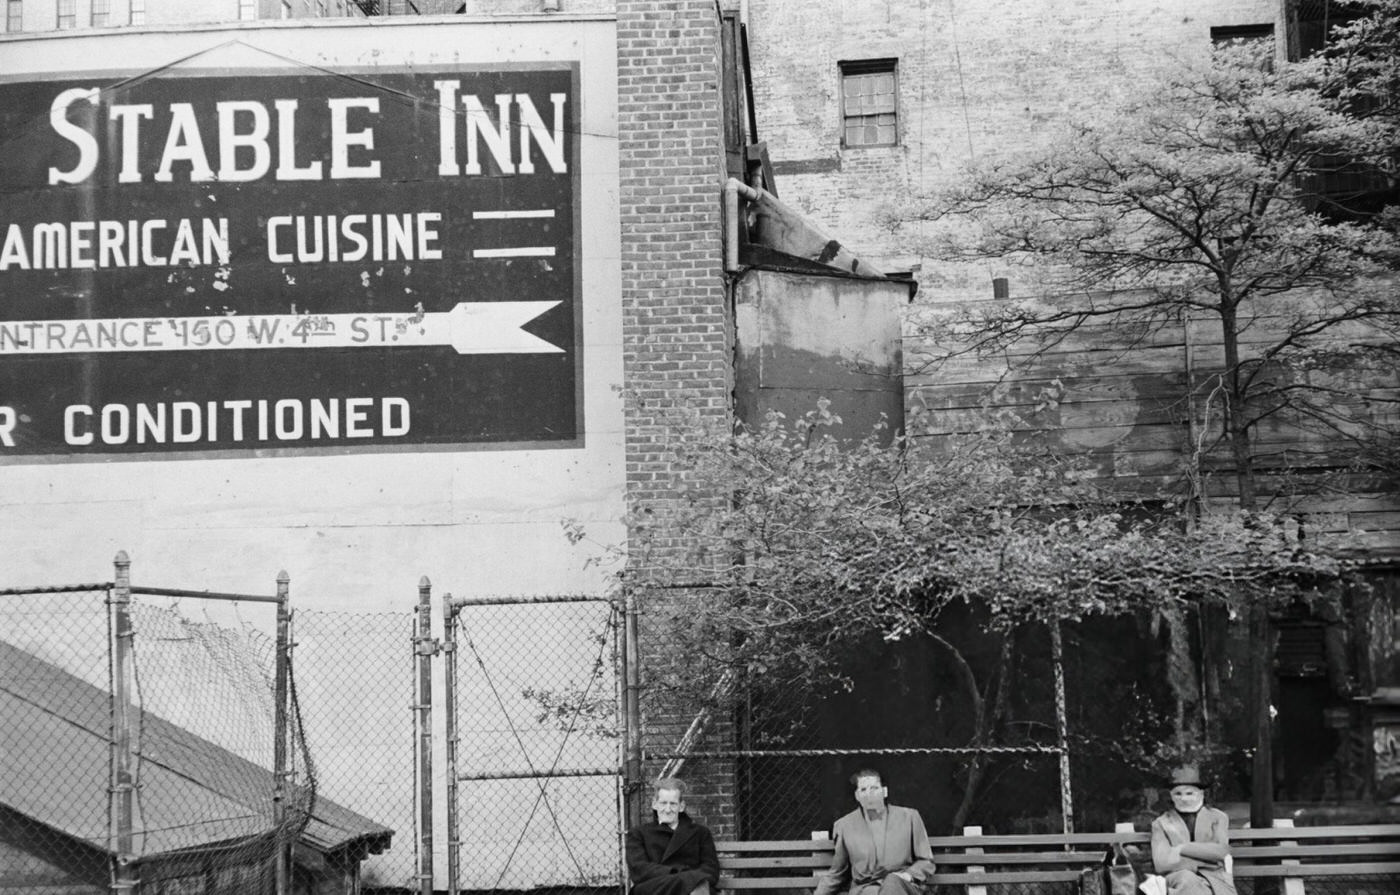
x,y
661,861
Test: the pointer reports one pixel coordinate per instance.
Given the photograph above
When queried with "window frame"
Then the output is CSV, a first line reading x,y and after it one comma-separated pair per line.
x,y
851,69
14,16
66,14
1258,35
100,13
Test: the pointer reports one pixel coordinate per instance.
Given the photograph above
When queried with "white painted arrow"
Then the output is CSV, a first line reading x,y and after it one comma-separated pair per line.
x,y
487,327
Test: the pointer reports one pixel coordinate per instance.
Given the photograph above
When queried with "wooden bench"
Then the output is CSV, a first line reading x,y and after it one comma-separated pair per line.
x,y
1367,857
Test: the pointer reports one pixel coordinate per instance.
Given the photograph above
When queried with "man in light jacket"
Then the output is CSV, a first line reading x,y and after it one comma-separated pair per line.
x,y
1190,842
881,849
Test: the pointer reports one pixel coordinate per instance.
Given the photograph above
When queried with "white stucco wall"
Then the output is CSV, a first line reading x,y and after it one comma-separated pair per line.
x,y
354,531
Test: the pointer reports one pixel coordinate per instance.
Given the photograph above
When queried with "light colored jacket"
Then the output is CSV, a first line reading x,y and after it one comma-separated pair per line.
x,y
1186,875
857,863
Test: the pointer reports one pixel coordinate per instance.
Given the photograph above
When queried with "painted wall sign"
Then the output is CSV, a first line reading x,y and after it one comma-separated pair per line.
x,y
237,263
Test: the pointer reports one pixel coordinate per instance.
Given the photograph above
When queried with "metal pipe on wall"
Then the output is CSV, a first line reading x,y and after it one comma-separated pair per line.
x,y
733,189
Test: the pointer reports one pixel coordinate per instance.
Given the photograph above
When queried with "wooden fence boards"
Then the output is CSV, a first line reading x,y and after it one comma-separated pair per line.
x,y
1119,396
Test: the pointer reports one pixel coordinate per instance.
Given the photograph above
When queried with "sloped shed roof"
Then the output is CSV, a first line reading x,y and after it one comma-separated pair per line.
x,y
192,792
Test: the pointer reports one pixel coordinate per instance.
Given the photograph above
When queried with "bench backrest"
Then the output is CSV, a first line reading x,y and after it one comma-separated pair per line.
x,y
1290,853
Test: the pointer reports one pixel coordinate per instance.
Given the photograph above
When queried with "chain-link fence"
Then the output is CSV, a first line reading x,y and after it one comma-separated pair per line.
x,y
355,679
940,747
150,749
54,763
533,738
144,750
146,747
790,794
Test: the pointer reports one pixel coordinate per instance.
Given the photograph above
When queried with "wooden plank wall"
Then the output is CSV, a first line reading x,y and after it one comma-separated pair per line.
x,y
1133,403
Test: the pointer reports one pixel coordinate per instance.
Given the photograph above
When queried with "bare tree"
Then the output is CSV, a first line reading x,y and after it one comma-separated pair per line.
x,y
1203,197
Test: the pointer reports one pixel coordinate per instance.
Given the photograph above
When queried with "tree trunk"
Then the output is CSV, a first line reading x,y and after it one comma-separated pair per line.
x,y
983,721
1183,679
1261,801
1236,416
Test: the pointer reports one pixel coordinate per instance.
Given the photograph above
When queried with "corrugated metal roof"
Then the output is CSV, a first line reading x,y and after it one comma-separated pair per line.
x,y
191,792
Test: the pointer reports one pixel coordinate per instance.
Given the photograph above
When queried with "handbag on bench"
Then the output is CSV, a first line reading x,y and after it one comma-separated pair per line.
x,y
1115,876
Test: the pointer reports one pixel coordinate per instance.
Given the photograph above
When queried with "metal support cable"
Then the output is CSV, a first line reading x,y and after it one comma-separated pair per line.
x,y
815,753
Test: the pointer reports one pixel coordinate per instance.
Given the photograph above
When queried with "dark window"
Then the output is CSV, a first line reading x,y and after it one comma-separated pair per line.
x,y
1338,187
1242,34
1311,23
869,103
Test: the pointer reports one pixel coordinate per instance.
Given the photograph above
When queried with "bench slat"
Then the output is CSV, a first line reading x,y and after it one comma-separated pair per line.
x,y
1362,831
1306,850
767,882
1086,858
1318,851
1356,868
1007,876
778,862
958,843
777,845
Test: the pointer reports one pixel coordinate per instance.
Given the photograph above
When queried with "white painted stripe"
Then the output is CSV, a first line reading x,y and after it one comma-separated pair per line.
x,y
505,215
488,327
521,252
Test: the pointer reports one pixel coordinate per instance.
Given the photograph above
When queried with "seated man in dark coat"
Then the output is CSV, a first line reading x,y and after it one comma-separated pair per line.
x,y
671,854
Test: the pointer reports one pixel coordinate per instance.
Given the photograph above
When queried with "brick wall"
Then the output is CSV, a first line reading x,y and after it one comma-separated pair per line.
x,y
676,330
974,78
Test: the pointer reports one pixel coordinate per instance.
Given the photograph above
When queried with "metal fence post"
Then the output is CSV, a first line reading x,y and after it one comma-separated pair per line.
x,y
122,790
617,619
1057,651
423,721
282,659
449,697
631,645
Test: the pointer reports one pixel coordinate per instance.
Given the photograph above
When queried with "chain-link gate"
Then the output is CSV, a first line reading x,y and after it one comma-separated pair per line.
x,y
534,786
144,751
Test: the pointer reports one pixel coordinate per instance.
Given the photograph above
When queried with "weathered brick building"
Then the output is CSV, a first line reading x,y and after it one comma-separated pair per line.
x,y
863,107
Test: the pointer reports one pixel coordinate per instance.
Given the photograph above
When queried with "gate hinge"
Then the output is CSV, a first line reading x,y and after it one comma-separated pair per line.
x,y
426,646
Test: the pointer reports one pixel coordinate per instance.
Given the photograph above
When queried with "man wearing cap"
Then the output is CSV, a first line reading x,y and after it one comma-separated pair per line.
x,y
1190,842
880,849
